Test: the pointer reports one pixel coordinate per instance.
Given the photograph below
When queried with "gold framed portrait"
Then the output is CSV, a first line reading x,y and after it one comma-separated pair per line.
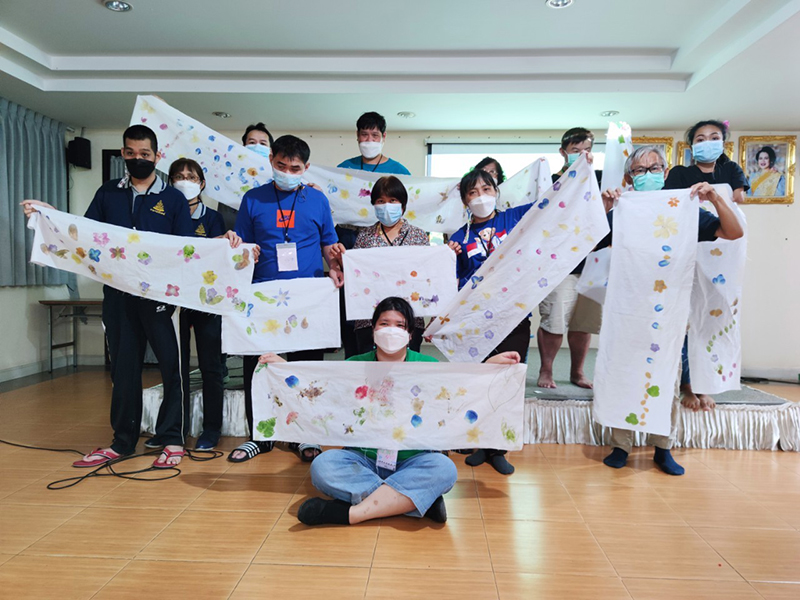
x,y
768,162
665,143
684,151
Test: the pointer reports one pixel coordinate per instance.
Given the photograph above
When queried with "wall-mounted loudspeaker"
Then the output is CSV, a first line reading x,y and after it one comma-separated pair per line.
x,y
79,153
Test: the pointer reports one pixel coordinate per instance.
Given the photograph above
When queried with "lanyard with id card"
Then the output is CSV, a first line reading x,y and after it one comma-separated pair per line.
x,y
387,459
287,252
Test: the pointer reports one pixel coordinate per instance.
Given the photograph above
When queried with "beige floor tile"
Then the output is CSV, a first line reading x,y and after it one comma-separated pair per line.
x,y
622,504
546,547
529,468
211,536
758,554
285,581
782,390
177,493
21,525
57,577
462,500
105,532
778,591
678,589
279,462
783,505
697,476
84,493
424,584
650,551
410,543
720,508
525,586
527,502
13,480
6,557
292,543
169,579
248,493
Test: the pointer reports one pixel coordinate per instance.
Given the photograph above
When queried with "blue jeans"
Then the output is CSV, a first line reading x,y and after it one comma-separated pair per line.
x,y
685,379
350,476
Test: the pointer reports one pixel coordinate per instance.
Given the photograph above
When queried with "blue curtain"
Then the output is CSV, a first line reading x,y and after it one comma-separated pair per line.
x,y
32,165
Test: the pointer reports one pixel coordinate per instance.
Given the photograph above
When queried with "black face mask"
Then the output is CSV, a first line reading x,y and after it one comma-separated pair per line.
x,y
140,168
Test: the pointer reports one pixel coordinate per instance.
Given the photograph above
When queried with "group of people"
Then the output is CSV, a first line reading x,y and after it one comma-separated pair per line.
x,y
288,214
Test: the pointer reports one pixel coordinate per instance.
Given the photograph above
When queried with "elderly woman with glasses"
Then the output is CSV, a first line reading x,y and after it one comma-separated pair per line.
x,y
646,169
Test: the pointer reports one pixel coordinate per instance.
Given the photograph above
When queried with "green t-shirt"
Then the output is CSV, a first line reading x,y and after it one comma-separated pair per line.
x,y
411,356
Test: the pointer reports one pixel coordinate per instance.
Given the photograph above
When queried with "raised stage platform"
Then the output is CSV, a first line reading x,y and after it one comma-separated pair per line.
x,y
748,419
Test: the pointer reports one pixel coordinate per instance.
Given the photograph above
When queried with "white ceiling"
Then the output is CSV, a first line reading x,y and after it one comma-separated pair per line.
x,y
458,64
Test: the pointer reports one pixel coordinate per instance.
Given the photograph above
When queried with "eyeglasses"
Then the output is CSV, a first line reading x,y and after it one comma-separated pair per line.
x,y
642,170
192,178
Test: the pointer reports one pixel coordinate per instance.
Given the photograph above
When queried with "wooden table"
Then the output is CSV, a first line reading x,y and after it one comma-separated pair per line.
x,y
75,310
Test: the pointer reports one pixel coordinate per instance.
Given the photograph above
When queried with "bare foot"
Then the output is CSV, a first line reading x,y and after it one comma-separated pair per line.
x,y
689,400
173,459
706,402
581,381
546,380
91,455
238,454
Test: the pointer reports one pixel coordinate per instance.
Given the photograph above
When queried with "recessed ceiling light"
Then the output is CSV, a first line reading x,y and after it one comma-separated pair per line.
x,y
609,113
558,3
118,6
406,114
221,114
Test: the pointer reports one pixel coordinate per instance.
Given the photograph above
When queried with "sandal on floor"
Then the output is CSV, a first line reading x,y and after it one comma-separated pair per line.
x,y
308,452
251,450
103,456
169,454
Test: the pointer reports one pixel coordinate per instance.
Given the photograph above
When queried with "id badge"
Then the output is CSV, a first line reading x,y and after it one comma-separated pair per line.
x,y
387,459
287,257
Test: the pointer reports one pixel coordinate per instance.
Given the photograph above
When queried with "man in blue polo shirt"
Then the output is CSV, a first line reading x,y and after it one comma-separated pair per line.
x,y
140,201
293,227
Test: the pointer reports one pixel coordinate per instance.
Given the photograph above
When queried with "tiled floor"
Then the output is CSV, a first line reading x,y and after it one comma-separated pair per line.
x,y
563,526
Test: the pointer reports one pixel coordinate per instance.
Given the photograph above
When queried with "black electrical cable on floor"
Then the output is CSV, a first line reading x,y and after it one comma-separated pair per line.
x,y
171,471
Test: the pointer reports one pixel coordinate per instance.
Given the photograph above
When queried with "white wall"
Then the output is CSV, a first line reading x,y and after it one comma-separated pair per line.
x,y
770,328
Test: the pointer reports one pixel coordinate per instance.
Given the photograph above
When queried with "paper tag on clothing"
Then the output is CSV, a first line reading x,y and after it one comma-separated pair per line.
x,y
287,256
387,459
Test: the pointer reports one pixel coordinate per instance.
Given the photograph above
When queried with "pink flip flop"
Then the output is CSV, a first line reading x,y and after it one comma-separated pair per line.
x,y
103,456
169,454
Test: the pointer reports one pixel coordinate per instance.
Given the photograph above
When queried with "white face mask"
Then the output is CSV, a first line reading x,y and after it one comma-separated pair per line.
x,y
259,149
190,189
370,150
391,339
482,206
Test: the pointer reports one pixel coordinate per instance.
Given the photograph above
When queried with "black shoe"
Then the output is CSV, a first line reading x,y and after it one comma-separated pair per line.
x,y
208,440
438,511
153,443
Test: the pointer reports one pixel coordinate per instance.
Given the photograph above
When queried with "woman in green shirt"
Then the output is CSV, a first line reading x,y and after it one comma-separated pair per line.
x,y
408,482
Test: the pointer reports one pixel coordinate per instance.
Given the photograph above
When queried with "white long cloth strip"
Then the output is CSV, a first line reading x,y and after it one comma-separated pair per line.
x,y
423,275
618,148
715,341
434,204
547,243
284,316
646,309
593,281
193,273
395,406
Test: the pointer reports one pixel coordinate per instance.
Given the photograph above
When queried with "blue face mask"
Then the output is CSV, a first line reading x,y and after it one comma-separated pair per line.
x,y
571,158
286,181
707,152
648,182
389,214
259,149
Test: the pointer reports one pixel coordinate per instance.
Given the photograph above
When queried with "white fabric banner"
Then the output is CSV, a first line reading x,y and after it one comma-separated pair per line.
x,y
618,148
390,405
593,281
423,275
195,273
434,204
646,309
715,342
547,243
285,315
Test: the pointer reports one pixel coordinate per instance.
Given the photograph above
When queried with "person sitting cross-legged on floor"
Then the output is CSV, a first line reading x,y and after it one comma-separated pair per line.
x,y
411,483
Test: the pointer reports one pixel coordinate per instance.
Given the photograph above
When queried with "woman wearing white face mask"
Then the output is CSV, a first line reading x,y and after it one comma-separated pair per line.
x,y
389,198
485,230
362,490
186,176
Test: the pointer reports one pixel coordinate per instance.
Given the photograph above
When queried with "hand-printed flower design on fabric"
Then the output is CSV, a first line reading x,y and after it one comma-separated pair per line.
x,y
665,227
